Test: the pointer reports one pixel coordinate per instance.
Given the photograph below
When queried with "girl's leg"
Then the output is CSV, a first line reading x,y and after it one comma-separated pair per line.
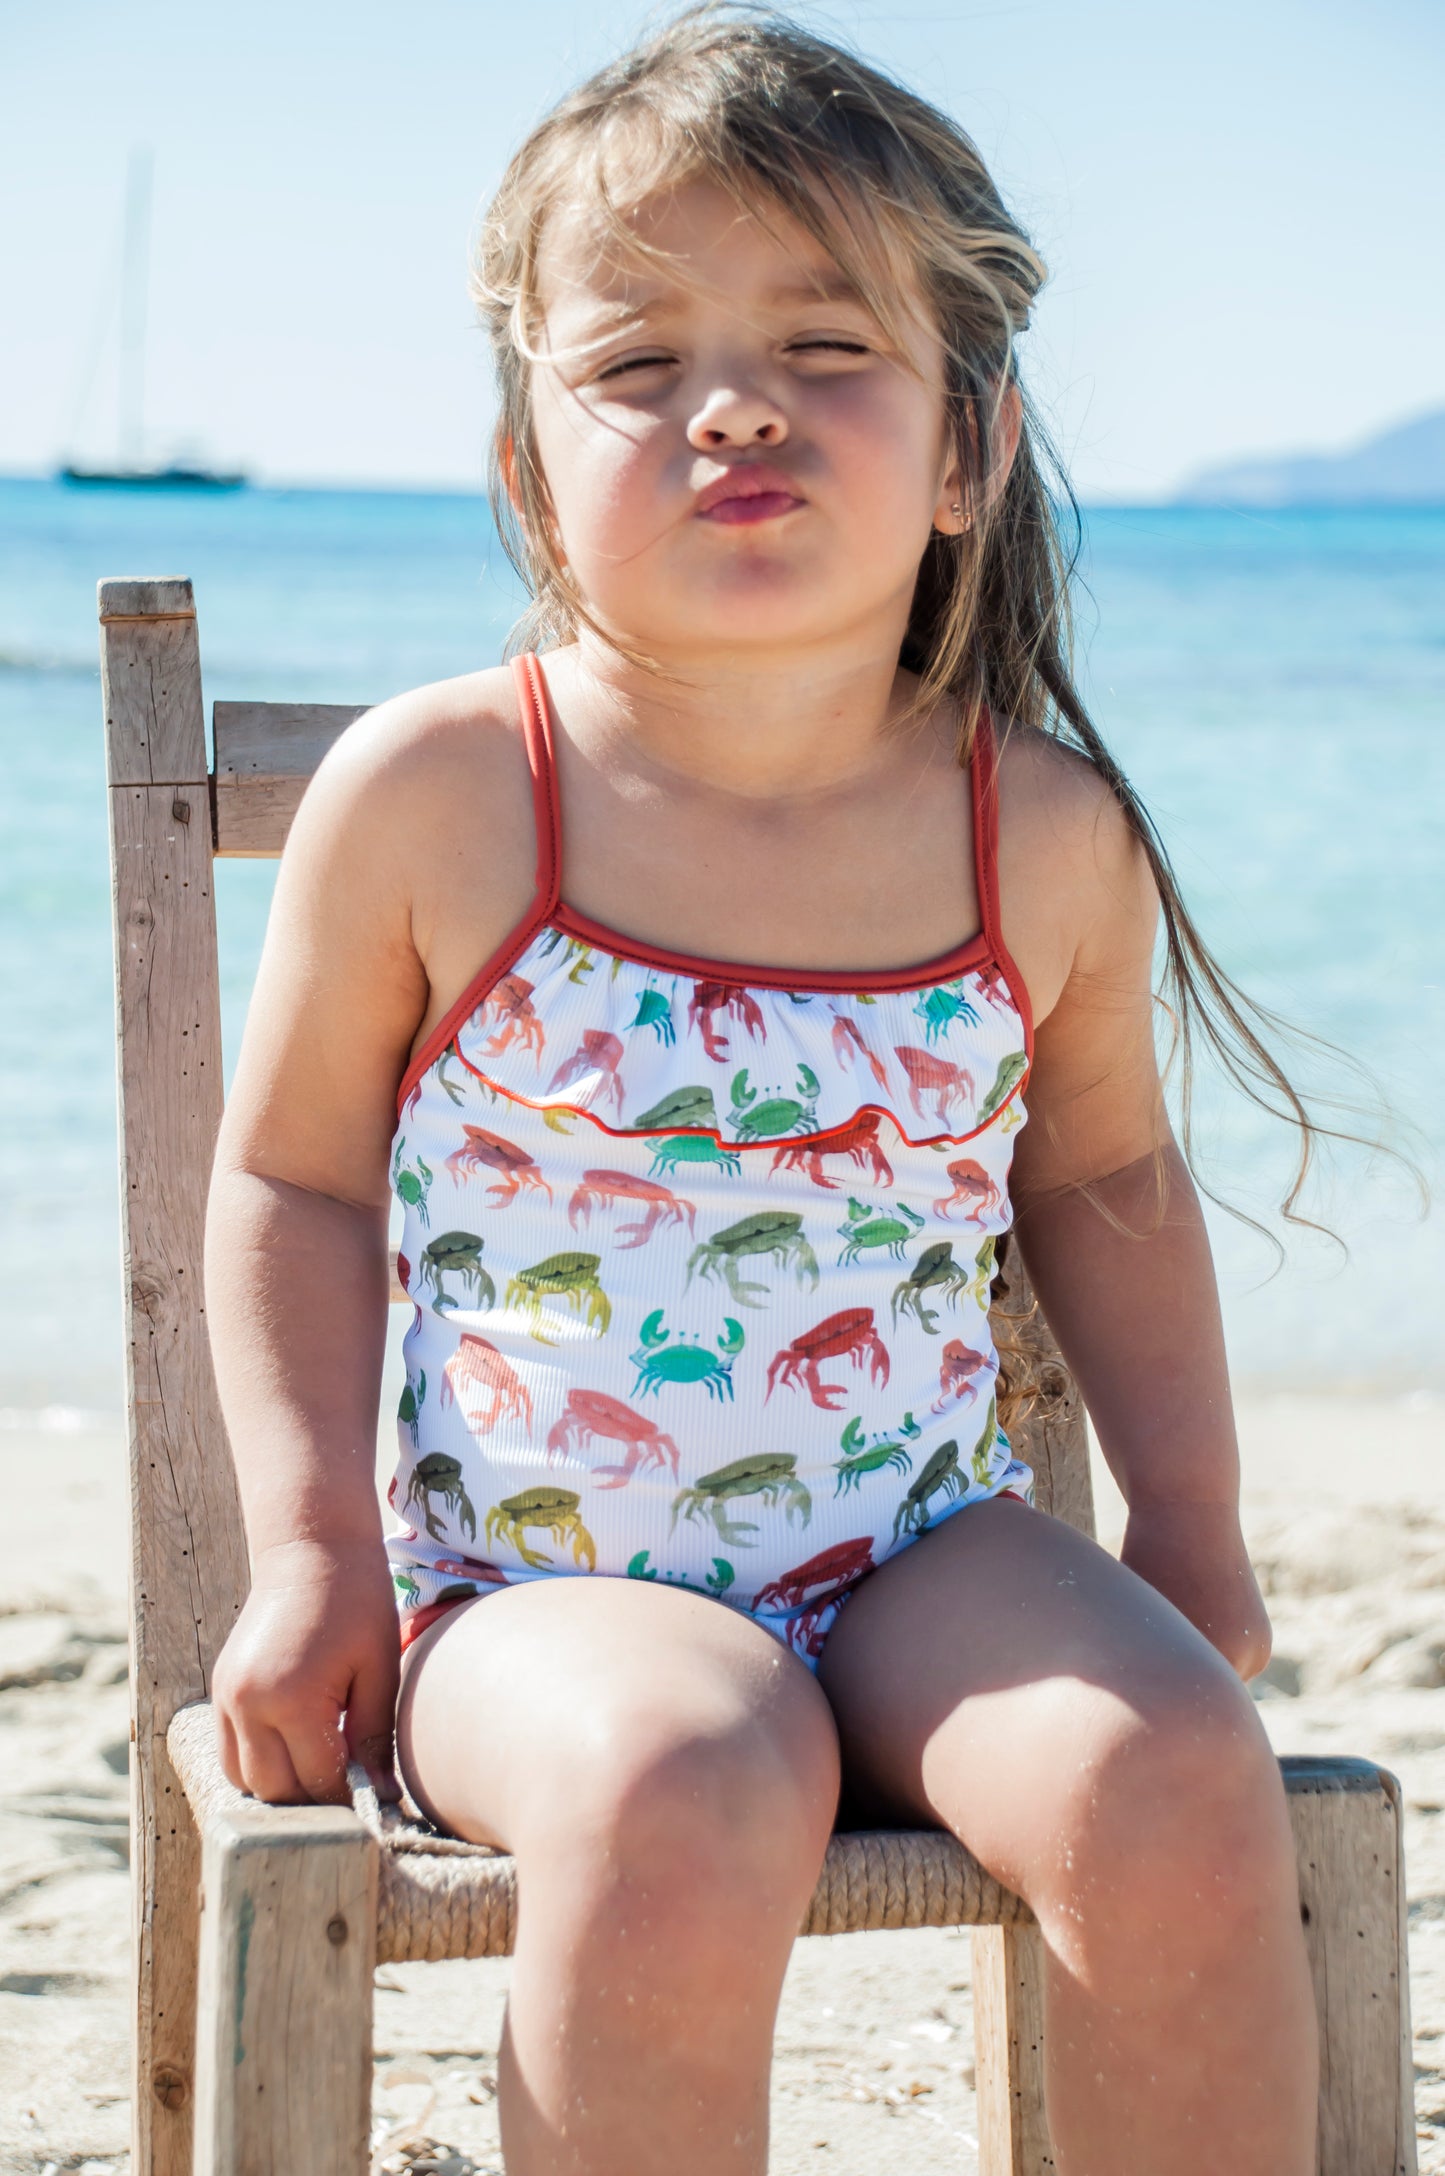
x,y
1008,1679
666,1776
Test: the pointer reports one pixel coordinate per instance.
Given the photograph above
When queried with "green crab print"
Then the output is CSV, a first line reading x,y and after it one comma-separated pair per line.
x,y
754,1121
776,1233
654,1011
940,1007
413,1398
406,1587
569,1276
717,1581
772,1477
693,1148
553,1511
934,1271
455,1254
689,1107
981,1464
867,1228
411,1183
1011,1071
861,1457
580,954
940,1477
659,1361
438,1475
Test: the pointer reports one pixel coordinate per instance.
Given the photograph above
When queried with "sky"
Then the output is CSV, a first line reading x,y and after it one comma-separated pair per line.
x,y
1241,205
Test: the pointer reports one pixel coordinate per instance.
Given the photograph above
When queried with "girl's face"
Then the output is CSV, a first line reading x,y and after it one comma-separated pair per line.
x,y
762,374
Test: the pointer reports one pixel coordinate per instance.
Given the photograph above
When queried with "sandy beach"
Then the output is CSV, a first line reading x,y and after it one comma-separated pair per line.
x,y
874,2046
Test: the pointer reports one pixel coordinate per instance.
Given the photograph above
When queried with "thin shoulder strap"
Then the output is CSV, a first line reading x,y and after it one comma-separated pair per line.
x,y
541,757
985,828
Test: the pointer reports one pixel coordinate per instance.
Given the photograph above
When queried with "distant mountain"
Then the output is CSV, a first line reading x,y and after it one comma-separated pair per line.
x,y
1401,467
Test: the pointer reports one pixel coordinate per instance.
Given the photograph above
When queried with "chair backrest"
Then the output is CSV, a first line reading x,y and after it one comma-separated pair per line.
x,y
171,816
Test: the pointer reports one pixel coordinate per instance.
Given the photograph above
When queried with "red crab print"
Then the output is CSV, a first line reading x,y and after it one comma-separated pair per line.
x,y
992,988
832,1569
481,1150
971,1184
849,1046
949,1083
660,1203
598,1052
470,1567
589,1413
858,1141
726,997
511,1003
849,1334
956,1373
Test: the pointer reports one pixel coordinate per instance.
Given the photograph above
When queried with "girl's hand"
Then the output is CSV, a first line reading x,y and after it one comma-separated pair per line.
x,y
1194,1555
316,1640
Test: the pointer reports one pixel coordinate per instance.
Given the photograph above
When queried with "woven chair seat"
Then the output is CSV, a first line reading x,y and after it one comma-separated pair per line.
x,y
439,1898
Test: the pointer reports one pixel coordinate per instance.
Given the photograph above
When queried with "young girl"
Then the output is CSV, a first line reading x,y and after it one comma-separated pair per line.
x,y
713,989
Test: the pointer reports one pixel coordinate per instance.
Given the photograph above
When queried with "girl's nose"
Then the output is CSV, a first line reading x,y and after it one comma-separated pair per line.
x,y
734,417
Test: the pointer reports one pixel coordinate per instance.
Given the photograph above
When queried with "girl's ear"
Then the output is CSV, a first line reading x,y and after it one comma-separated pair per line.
x,y
960,505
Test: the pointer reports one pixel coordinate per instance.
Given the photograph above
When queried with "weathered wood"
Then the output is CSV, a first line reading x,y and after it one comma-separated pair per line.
x,y
1051,1433
154,727
288,1950
188,1559
1349,1845
163,597
266,754
1008,2052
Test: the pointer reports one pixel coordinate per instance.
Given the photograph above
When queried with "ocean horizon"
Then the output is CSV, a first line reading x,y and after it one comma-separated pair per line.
x,y
1272,681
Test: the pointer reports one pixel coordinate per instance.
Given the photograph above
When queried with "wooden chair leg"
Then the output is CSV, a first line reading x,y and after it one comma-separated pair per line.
x,y
1349,1843
1008,2051
288,1948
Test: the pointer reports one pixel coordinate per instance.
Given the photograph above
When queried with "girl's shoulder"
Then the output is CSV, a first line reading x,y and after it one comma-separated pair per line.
x,y
1075,882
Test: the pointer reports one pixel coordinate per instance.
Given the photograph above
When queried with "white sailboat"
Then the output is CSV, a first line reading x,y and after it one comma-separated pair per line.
x,y
132,470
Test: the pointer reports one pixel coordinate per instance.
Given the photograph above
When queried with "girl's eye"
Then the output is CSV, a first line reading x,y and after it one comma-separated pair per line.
x,y
840,347
633,362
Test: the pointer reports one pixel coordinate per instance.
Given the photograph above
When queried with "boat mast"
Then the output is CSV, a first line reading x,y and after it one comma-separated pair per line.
x,y
134,285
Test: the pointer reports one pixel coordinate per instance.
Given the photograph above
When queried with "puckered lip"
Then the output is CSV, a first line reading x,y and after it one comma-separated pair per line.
x,y
749,480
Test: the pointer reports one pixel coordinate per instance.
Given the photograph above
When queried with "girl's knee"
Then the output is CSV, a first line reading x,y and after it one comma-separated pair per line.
x,y
1176,1816
700,1803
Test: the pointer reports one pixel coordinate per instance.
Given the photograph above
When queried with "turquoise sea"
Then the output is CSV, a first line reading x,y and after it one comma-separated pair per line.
x,y
1274,684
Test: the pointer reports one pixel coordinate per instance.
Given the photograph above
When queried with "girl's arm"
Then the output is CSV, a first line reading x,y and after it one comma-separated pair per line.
x,y
1111,1231
296,1286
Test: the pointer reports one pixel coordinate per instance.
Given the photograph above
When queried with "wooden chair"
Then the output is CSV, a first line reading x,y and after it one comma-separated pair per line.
x,y
257,1928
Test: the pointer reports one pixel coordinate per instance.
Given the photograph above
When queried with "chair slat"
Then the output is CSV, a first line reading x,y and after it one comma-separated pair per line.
x,y
188,1551
266,754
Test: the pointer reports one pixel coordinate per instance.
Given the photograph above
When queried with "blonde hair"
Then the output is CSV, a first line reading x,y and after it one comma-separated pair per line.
x,y
900,199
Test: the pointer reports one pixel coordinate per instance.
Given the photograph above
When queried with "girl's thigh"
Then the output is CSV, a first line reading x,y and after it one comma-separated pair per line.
x,y
1007,1678
570,1706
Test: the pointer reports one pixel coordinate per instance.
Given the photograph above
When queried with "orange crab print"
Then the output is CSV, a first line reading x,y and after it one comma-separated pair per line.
x,y
510,1002
590,1413
938,1077
484,1151
476,1365
972,1186
599,1051
614,1187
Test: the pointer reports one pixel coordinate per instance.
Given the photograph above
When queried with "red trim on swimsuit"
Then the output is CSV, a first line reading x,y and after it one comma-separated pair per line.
x,y
548,909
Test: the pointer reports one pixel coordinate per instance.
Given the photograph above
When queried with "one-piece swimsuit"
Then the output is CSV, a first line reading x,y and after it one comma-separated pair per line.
x,y
700,1255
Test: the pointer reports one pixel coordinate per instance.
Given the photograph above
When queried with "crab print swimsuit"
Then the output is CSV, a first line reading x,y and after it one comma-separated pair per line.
x,y
699,1258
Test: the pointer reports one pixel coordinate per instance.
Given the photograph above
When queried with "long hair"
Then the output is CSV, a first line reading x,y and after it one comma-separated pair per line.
x,y
900,199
